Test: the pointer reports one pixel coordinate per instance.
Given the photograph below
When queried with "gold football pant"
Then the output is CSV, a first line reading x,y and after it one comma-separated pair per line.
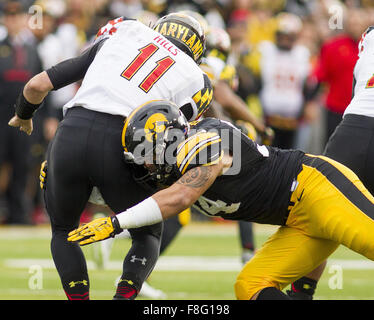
x,y
330,206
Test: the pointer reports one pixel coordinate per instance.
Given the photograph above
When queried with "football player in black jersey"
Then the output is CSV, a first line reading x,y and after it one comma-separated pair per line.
x,y
317,202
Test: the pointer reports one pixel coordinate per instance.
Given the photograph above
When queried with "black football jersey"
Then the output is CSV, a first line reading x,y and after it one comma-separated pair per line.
x,y
256,188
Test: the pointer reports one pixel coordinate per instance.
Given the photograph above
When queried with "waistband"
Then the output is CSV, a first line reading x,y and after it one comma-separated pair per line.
x,y
93,115
359,120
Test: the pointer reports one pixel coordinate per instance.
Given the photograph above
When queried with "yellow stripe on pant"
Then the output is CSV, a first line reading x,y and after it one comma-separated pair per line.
x,y
331,207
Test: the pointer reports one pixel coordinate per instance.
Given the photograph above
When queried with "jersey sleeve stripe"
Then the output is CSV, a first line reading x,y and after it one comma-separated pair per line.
x,y
196,150
184,169
191,144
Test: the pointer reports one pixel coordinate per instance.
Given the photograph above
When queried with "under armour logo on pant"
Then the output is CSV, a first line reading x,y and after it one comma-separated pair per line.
x,y
134,258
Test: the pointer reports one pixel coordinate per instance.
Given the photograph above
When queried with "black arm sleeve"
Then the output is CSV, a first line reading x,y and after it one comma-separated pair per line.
x,y
72,70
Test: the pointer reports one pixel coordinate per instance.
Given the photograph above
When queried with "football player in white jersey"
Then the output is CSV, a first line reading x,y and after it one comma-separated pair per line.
x,y
352,142
128,65
282,69
358,118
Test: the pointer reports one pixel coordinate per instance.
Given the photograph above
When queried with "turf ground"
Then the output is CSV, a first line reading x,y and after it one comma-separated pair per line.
x,y
201,264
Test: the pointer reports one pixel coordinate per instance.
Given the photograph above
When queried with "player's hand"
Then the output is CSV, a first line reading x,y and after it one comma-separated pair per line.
x,y
96,230
267,136
24,125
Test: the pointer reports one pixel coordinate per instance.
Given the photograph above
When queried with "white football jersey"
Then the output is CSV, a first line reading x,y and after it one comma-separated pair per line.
x,y
136,65
283,74
363,100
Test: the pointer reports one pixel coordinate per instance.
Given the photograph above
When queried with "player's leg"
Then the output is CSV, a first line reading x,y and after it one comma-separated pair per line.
x,y
305,287
101,250
285,257
120,192
172,226
246,240
139,261
368,180
334,205
356,132
171,229
360,159
66,194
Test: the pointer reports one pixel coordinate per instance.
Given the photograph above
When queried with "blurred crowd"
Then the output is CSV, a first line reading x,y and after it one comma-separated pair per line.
x,y
294,61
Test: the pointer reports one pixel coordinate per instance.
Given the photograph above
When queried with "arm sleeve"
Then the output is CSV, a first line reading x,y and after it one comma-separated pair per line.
x,y
72,70
203,97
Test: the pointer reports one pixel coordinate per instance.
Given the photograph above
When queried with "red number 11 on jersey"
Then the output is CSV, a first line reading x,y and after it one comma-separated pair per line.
x,y
370,83
162,66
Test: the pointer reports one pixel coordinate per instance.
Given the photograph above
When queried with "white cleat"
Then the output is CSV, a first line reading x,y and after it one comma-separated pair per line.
x,y
148,291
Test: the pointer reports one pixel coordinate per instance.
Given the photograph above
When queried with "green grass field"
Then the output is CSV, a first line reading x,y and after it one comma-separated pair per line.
x,y
201,264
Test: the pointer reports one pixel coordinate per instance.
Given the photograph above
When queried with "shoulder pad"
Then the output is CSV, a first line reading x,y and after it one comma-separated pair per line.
x,y
201,149
110,28
203,97
194,123
366,41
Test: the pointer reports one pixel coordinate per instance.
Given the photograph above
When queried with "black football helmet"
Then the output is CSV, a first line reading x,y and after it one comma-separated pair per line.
x,y
150,137
185,32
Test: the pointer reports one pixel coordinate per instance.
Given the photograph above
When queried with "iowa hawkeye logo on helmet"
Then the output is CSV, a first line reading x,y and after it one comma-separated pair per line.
x,y
185,32
154,125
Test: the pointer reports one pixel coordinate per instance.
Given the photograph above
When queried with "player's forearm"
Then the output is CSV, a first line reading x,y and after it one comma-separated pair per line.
x,y
37,88
30,99
175,200
172,200
161,206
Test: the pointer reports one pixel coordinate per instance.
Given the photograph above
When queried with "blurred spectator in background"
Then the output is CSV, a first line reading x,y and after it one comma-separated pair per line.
x,y
337,59
302,8
51,51
262,23
211,10
19,61
237,29
126,8
282,68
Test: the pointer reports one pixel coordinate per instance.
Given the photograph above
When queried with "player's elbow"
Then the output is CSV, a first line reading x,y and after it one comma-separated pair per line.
x,y
39,84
